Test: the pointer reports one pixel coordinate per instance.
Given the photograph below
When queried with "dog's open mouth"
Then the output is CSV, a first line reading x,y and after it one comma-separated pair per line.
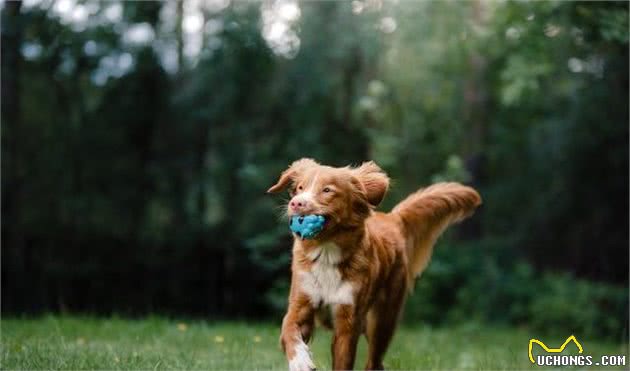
x,y
307,226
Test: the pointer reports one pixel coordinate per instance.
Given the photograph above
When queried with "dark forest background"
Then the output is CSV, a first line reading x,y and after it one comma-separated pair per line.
x,y
138,140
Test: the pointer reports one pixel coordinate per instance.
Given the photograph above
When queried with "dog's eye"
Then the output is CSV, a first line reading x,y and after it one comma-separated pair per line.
x,y
300,188
326,190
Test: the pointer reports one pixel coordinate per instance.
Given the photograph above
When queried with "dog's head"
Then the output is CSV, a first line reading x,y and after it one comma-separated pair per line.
x,y
344,196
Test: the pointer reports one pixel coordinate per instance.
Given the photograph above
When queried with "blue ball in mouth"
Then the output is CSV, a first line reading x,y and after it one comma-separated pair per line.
x,y
307,226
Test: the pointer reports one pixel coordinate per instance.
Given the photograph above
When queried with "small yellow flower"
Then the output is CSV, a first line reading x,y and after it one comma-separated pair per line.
x,y
81,341
116,359
182,327
257,339
218,339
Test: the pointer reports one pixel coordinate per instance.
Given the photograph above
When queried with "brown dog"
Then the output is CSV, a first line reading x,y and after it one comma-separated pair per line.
x,y
359,269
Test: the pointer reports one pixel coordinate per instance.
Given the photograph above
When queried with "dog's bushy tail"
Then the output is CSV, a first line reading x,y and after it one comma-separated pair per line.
x,y
426,213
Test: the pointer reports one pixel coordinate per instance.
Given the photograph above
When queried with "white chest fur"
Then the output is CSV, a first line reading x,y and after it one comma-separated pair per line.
x,y
323,284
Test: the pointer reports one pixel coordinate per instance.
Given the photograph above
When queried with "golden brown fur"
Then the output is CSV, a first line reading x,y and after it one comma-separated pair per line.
x,y
359,269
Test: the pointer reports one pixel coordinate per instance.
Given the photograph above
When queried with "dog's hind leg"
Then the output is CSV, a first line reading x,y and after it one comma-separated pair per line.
x,y
382,320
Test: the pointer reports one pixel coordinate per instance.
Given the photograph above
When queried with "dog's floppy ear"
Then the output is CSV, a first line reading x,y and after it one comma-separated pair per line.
x,y
374,181
296,168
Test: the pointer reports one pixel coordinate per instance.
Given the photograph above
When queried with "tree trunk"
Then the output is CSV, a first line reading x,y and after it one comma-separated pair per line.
x,y
12,181
475,115
180,36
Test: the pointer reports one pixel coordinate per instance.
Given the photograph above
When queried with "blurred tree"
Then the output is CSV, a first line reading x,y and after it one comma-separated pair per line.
x,y
12,162
562,167
139,138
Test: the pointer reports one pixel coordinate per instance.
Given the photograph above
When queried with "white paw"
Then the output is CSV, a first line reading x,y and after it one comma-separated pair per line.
x,y
302,360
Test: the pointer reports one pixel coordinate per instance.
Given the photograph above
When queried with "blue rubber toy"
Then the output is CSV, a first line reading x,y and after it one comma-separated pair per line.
x,y
306,226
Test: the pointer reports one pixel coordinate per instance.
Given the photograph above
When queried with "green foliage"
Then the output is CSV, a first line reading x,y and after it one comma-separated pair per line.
x,y
483,282
592,309
454,171
614,25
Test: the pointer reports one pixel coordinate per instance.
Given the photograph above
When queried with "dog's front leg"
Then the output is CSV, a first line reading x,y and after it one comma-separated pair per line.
x,y
347,330
297,327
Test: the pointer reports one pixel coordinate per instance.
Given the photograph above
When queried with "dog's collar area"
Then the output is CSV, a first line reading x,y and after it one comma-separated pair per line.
x,y
326,253
315,259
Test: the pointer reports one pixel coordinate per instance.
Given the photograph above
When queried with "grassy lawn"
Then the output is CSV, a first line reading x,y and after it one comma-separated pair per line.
x,y
157,343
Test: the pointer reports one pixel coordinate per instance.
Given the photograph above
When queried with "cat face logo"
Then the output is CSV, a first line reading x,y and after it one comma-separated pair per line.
x,y
553,350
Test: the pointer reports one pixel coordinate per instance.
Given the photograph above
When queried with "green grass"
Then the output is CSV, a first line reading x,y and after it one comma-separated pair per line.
x,y
156,343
